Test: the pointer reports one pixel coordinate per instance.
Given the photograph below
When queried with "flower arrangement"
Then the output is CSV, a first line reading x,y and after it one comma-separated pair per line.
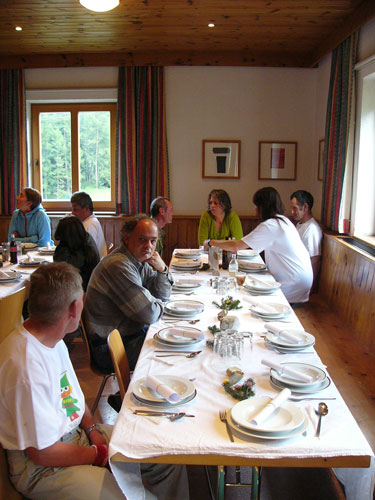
x,y
228,304
240,391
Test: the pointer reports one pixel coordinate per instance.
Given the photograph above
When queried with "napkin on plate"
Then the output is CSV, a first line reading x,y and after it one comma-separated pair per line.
x,y
4,276
179,332
288,371
162,389
262,308
280,331
261,415
30,258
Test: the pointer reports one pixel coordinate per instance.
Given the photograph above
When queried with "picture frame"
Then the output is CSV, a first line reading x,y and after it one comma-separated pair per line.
x,y
277,160
320,160
221,159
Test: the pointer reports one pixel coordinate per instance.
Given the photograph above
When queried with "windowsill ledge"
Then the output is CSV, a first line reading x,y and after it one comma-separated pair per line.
x,y
360,246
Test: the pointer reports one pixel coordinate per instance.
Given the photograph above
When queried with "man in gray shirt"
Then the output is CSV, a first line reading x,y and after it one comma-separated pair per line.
x,y
126,291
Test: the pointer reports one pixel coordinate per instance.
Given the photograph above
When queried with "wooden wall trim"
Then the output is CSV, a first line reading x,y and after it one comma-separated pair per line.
x,y
347,284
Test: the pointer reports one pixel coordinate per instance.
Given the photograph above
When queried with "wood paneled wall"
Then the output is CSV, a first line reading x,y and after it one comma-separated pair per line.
x,y
347,283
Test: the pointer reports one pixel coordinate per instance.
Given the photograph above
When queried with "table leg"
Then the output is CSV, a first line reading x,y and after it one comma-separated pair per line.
x,y
220,482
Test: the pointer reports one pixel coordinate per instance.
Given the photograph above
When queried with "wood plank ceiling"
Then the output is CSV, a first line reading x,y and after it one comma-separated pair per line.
x,y
290,33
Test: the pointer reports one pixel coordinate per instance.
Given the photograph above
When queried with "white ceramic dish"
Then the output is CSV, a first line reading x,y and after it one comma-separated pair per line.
x,y
246,254
11,276
184,307
251,267
301,390
318,375
35,262
170,335
181,385
180,345
246,433
305,339
285,418
166,404
270,309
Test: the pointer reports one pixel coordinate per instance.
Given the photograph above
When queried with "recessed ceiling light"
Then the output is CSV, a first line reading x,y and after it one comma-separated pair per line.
x,y
99,5
18,28
211,25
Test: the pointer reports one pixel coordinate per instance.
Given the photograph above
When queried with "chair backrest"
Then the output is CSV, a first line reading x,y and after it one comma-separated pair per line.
x,y
110,247
11,312
119,360
7,490
84,334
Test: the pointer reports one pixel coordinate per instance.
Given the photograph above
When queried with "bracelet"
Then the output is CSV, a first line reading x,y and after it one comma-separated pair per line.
x,y
101,457
93,427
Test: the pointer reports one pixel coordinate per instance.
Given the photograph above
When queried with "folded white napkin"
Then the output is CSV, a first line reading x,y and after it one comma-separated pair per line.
x,y
270,407
48,245
162,389
261,307
263,284
287,370
179,332
4,276
30,258
280,331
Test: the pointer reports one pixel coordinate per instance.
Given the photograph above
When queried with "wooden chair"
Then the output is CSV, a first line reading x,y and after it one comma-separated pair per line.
x,y
7,490
11,312
95,369
119,360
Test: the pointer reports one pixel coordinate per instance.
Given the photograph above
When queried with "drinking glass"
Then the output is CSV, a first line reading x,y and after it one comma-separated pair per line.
x,y
5,251
19,250
241,278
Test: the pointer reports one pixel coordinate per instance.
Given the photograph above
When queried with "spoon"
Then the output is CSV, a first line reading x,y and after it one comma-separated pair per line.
x,y
321,411
191,355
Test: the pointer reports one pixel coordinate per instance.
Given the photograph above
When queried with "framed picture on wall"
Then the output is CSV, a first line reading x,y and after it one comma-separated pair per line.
x,y
221,159
277,160
320,160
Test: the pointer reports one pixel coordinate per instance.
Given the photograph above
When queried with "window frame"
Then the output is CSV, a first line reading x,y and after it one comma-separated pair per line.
x,y
74,108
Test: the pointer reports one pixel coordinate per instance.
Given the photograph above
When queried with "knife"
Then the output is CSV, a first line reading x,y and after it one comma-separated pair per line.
x,y
158,413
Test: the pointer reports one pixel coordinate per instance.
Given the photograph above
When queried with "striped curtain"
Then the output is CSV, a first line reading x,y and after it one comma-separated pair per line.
x,y
12,137
338,123
141,142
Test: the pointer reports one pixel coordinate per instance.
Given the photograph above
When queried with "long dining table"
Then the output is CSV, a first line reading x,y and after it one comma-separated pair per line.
x,y
203,439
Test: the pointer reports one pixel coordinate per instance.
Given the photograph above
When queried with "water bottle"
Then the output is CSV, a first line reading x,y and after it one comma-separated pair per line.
x,y
233,266
13,251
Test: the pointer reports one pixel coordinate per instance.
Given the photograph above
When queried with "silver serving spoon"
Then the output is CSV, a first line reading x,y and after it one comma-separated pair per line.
x,y
321,411
190,355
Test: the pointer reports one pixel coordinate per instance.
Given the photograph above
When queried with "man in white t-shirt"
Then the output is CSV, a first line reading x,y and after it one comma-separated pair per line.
x,y
54,448
161,212
82,208
301,203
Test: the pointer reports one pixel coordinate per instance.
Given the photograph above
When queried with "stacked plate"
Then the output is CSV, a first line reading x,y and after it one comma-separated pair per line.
x,y
270,311
181,385
250,267
185,309
189,253
186,264
33,263
186,285
320,380
173,337
303,341
260,287
47,250
246,254
9,277
285,422
29,246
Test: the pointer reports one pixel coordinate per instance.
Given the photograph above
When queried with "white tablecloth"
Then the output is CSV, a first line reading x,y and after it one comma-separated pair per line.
x,y
138,437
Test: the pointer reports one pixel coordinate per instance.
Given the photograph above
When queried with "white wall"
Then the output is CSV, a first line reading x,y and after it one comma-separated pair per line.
x,y
249,104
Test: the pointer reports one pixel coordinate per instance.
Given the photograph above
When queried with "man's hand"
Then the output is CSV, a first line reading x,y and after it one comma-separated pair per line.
x,y
156,262
97,438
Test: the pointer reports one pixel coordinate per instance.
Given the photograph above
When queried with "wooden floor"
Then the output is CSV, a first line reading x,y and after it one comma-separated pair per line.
x,y
351,367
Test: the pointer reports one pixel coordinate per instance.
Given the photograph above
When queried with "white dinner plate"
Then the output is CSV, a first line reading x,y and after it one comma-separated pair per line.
x,y
186,263
165,403
251,267
170,335
287,350
318,375
47,251
35,263
184,284
181,385
188,253
164,343
256,284
285,418
184,307
29,246
301,390
246,433
270,310
246,254
10,277
255,292
304,339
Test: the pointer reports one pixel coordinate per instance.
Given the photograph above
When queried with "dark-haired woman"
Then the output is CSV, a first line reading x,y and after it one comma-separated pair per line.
x,y
219,222
76,247
285,254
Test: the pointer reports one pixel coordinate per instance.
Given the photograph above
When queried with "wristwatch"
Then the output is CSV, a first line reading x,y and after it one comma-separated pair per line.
x,y
93,427
209,243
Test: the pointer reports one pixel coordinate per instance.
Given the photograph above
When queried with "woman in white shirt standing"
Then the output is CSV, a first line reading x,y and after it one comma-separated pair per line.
x,y
285,254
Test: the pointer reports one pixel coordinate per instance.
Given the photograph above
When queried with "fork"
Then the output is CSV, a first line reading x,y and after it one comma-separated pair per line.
x,y
223,418
308,399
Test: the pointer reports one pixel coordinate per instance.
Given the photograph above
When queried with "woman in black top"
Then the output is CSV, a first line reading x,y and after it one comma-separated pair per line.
x,y
76,247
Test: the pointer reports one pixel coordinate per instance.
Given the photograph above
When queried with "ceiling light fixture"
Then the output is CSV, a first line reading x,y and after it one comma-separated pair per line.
x,y
211,25
18,28
100,5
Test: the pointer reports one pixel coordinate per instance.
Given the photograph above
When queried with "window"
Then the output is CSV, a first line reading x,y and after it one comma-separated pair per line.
x,y
73,149
363,208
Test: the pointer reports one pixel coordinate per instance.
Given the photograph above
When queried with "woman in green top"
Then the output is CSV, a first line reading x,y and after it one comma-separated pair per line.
x,y
219,222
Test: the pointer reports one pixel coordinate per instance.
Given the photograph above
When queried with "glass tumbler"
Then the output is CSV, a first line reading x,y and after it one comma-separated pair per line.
x,y
5,251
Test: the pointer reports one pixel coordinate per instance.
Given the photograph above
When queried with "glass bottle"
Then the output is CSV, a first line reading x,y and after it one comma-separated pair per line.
x,y
13,250
233,266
